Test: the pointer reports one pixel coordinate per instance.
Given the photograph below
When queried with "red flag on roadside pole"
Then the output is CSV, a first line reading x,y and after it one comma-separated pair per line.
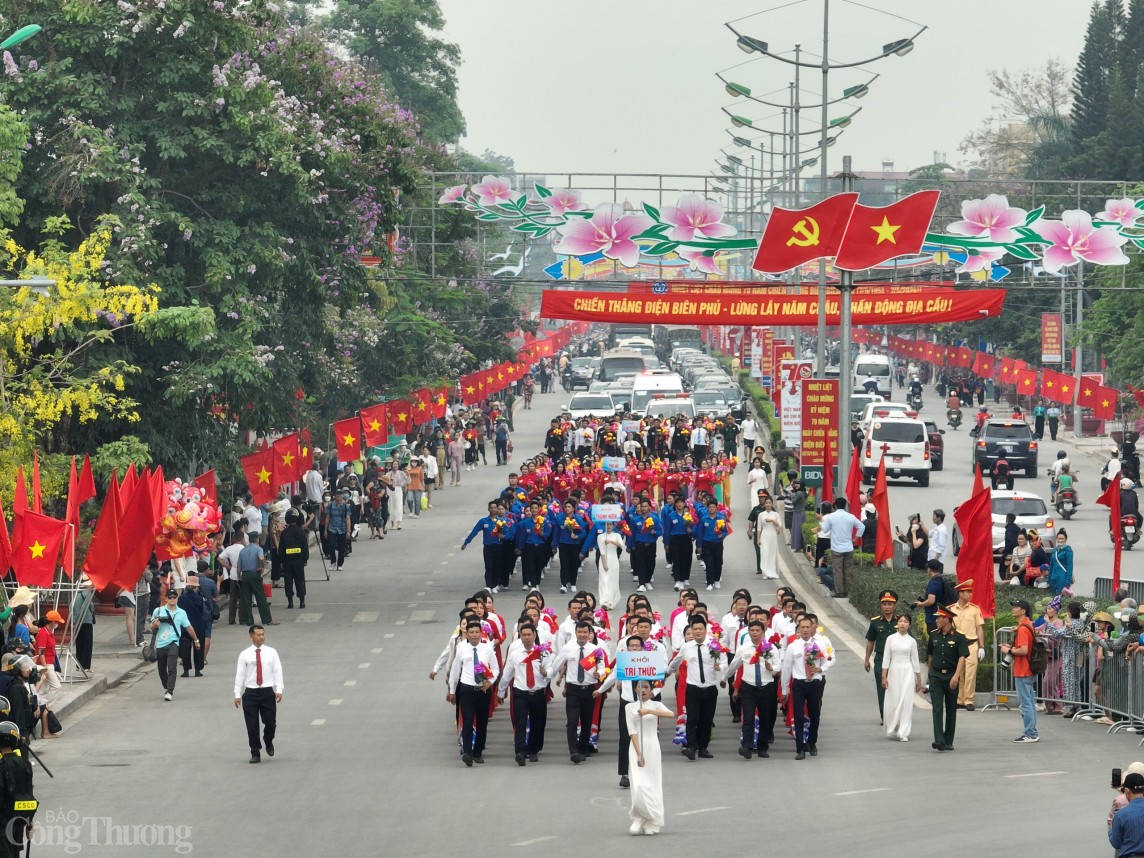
x,y
400,416
984,365
287,460
137,526
877,235
880,497
1105,405
975,560
347,437
1111,499
206,483
103,553
978,483
37,500
20,499
375,425
796,236
259,471
422,402
86,485
67,559
5,545
34,555
440,401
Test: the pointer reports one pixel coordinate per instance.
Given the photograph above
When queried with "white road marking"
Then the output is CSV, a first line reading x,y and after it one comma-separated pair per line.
x,y
534,841
422,593
317,722
701,810
376,649
388,635
444,562
366,616
411,605
307,618
451,554
363,665
863,791
399,622
421,616
350,682
428,584
1036,774
337,701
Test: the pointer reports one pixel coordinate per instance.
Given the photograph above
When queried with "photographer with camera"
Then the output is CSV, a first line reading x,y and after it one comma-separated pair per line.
x,y
1127,831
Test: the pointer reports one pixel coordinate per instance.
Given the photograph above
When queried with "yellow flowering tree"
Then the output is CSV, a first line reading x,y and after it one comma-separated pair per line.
x,y
59,363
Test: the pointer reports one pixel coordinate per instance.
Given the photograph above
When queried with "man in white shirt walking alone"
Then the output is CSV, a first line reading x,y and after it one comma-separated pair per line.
x,y
258,687
842,528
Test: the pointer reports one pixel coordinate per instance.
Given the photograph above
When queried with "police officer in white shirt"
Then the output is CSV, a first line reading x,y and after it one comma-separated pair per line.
x,y
470,687
704,669
580,680
761,660
803,677
258,687
526,670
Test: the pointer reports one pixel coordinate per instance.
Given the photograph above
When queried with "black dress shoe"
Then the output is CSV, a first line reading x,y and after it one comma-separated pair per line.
x,y
624,782
764,754
737,720
254,758
968,707
185,673
592,750
705,754
467,759
302,603
813,750
576,758
477,758
937,746
950,748
520,759
745,753
289,606
270,747
689,753
200,673
532,758
800,756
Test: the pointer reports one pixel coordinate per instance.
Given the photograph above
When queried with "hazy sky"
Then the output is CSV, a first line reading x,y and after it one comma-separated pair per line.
x,y
629,86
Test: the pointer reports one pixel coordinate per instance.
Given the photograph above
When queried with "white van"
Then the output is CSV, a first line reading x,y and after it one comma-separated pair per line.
x,y
876,368
645,386
620,360
903,441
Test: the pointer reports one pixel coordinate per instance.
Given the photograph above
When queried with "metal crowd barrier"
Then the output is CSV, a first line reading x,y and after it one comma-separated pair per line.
x,y
1004,689
1102,590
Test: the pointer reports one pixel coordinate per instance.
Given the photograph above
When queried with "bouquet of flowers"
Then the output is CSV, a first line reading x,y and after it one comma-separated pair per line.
x,y
688,518
543,648
775,639
538,524
812,652
655,616
683,432
715,646
649,523
481,672
549,612
571,523
499,526
648,645
625,528
720,525
557,433
762,650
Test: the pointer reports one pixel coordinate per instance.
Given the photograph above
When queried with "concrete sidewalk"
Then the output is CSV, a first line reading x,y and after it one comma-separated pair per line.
x,y
113,658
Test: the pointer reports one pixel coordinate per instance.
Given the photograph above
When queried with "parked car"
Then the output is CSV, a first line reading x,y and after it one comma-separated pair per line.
x,y
936,445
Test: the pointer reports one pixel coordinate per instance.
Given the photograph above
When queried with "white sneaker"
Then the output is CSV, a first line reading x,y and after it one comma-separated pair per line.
x,y
678,585
641,589
718,585
339,569
709,588
168,696
524,588
635,579
1027,740
649,586
563,589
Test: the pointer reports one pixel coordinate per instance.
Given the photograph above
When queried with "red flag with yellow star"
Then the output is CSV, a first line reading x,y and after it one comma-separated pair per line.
x,y
440,401
796,236
876,235
34,555
375,425
984,365
287,460
470,395
1026,379
347,437
400,416
1104,407
1057,386
422,402
259,470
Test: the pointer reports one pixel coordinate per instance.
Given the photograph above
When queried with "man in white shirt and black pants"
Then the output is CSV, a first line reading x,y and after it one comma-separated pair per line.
x,y
938,537
702,691
806,660
258,687
526,670
759,660
579,683
471,677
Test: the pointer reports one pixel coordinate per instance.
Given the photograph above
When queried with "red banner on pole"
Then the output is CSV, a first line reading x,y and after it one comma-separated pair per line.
x,y
819,422
1052,338
932,306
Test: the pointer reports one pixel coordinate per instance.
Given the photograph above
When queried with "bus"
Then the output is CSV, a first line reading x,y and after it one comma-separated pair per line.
x,y
667,337
623,330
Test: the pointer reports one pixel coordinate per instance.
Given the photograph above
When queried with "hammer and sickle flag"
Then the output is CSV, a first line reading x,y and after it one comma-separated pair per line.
x,y
794,237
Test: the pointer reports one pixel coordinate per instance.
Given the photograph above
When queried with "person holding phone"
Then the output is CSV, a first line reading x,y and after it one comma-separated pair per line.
x,y
1121,800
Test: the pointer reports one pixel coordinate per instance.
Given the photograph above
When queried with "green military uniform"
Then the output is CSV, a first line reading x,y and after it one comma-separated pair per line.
x,y
880,629
944,653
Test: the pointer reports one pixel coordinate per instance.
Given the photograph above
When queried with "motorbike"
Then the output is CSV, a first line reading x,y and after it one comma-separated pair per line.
x,y
915,401
1001,475
1067,503
566,378
1129,532
953,415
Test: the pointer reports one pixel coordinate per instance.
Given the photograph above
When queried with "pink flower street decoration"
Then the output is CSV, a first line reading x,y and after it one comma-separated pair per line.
x,y
493,190
699,259
1073,238
991,217
695,217
1123,212
608,231
980,259
455,194
563,201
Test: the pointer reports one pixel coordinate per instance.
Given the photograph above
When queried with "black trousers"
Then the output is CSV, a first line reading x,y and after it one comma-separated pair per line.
x,y
878,685
85,644
502,452
532,562
168,664
699,452
713,557
807,701
294,572
507,563
188,652
944,701
681,549
569,563
337,544
761,700
259,703
701,703
529,715
579,706
474,704
643,561
492,555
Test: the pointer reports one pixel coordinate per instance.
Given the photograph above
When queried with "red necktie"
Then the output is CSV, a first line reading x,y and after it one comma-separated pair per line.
x,y
258,666
529,673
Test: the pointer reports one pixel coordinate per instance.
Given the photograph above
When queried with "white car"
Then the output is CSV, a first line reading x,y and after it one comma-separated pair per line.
x,y
878,410
590,405
1031,511
668,407
903,442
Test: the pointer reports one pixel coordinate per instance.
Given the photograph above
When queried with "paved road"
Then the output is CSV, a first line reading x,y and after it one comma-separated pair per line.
x,y
1088,529
367,761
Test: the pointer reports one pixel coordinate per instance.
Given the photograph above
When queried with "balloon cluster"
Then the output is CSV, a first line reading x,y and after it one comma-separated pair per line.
x,y
190,519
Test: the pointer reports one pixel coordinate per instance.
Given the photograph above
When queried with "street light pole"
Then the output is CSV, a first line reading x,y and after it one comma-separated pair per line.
x,y
845,382
820,350
1078,423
